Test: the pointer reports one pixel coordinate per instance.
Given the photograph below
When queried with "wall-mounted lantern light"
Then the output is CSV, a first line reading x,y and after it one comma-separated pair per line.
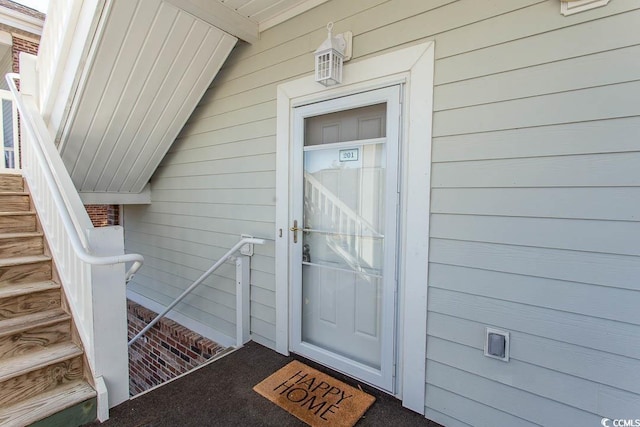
x,y
330,57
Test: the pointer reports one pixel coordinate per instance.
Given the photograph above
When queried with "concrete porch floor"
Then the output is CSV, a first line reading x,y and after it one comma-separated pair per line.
x,y
221,394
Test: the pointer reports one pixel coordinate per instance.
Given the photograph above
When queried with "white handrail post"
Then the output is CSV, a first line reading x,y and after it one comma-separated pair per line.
x,y
243,303
110,315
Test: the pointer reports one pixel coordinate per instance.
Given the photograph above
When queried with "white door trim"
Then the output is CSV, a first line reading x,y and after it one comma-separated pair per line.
x,y
413,66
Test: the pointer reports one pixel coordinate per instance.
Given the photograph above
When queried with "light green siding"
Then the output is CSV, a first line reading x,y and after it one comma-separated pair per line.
x,y
535,202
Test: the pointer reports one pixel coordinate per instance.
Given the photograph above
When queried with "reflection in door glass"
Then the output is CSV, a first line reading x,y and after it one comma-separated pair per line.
x,y
344,208
351,125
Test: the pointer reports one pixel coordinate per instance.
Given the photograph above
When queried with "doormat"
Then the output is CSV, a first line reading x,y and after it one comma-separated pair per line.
x,y
314,397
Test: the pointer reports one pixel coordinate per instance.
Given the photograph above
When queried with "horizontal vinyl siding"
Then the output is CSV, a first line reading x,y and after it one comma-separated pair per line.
x,y
534,224
534,203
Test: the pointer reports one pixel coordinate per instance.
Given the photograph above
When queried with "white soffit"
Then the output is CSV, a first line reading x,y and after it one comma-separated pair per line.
x,y
149,66
268,13
245,19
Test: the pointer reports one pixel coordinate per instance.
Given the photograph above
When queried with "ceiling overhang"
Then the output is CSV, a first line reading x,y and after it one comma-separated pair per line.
x,y
147,66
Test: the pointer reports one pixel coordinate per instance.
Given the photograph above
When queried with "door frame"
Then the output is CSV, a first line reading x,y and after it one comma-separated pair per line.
x,y
412,67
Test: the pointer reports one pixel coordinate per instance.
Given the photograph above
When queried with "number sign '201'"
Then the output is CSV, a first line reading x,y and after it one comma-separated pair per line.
x,y
349,155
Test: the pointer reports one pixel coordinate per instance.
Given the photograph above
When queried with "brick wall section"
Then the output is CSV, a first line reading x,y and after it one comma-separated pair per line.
x,y
22,45
103,215
169,350
99,215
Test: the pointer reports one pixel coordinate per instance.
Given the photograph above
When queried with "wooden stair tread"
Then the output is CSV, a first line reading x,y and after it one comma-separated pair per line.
x,y
42,318
19,365
39,407
6,262
16,213
14,193
19,234
8,291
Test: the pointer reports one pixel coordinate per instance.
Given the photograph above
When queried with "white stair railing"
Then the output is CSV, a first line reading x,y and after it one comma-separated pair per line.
x,y
242,300
90,261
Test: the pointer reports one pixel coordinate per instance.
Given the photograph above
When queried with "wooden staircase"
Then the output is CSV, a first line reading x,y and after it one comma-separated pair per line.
x,y
42,367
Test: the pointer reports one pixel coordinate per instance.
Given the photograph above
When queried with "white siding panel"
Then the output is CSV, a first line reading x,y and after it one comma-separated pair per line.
x,y
261,213
601,170
263,341
614,341
263,296
277,73
231,150
453,16
443,419
543,79
539,378
254,180
235,196
578,203
210,105
469,411
251,130
263,312
617,271
573,297
250,163
263,329
261,111
605,136
198,223
524,23
615,237
263,280
605,102
153,234
533,408
566,42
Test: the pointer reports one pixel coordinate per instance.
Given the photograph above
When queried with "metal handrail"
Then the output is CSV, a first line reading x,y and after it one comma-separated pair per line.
x,y
80,249
214,267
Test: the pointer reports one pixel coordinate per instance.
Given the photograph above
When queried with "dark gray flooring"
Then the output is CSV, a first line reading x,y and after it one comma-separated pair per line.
x,y
221,394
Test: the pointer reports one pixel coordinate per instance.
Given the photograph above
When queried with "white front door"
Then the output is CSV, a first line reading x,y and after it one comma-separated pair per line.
x,y
343,234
